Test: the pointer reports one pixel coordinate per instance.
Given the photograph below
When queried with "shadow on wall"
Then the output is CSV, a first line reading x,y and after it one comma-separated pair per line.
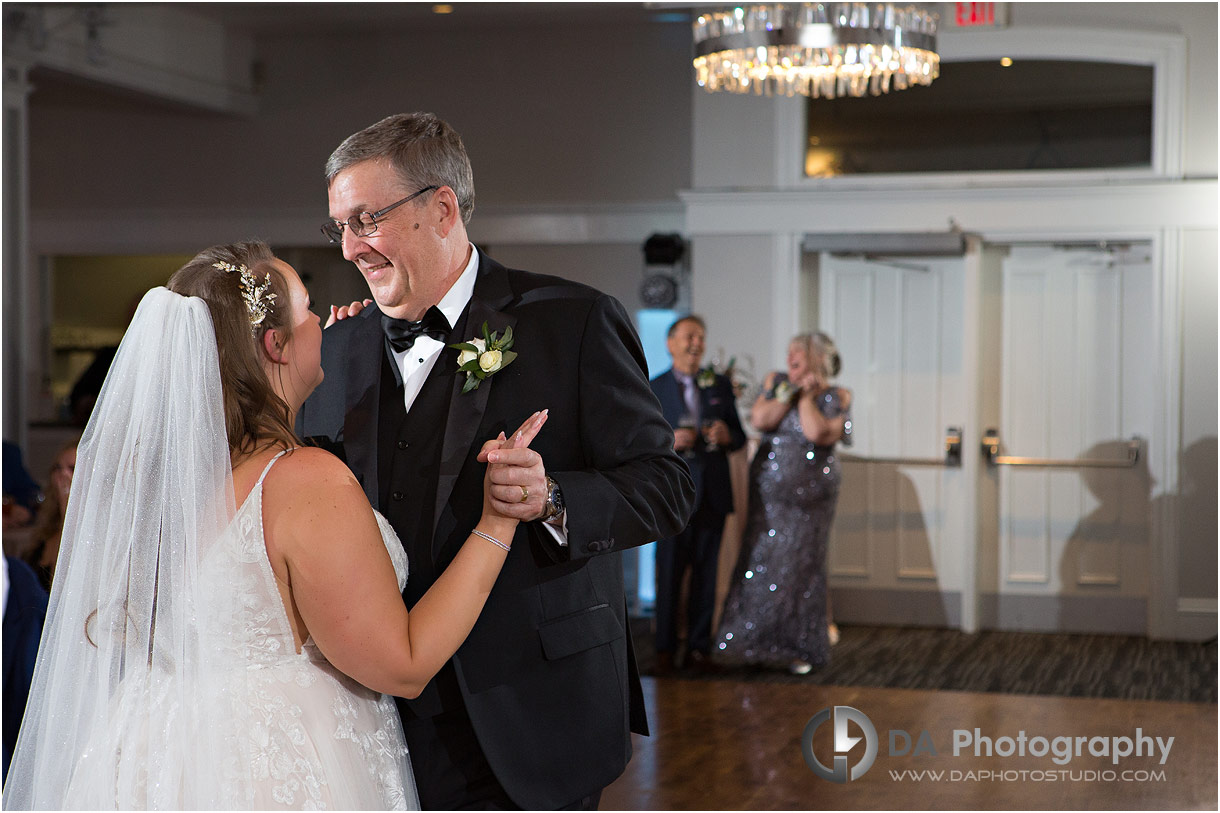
x,y
1107,540
880,533
1117,532
1195,504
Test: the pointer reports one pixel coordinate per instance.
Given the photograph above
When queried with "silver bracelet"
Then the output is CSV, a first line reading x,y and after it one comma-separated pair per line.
x,y
491,539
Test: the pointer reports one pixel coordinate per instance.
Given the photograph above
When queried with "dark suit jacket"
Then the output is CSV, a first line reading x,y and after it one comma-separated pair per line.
x,y
23,618
709,468
548,673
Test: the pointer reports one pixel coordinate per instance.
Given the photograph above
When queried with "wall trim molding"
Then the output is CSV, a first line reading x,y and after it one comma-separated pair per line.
x,y
1044,210
186,230
897,607
1049,614
1109,615
1197,606
576,224
1196,619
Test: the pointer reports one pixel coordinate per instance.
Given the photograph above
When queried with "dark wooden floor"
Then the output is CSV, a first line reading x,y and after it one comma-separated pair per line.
x,y
731,745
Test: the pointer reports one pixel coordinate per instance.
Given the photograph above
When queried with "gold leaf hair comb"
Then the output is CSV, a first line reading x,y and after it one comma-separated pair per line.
x,y
256,295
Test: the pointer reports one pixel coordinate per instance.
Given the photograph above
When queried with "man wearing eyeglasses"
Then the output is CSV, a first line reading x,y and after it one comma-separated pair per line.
x,y
535,709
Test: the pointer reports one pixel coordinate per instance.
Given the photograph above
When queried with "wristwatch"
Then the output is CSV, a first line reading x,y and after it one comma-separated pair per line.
x,y
554,501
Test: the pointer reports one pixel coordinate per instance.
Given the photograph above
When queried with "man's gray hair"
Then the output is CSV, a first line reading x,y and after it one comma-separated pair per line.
x,y
423,149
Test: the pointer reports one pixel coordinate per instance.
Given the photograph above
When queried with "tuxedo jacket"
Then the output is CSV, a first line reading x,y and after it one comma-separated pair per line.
x,y
709,468
548,674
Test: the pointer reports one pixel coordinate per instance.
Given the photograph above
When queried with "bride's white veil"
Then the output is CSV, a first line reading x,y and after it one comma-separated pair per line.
x,y
126,687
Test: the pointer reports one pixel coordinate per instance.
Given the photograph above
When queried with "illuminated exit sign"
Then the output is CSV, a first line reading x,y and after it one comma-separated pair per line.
x,y
979,15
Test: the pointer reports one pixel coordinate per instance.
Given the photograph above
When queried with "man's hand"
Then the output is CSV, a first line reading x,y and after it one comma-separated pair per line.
x,y
684,438
717,433
338,314
517,485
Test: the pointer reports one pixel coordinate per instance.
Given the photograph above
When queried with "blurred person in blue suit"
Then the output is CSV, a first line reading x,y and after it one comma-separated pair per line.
x,y
700,406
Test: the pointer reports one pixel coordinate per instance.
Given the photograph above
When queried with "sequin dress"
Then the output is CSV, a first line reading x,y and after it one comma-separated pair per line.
x,y
775,611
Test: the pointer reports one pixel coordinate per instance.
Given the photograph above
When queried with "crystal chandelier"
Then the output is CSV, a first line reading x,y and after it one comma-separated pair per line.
x,y
816,49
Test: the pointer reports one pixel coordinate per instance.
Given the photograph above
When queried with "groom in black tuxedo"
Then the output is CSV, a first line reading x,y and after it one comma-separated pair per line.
x,y
535,709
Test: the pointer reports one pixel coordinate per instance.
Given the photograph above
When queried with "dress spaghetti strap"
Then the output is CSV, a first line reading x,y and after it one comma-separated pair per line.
x,y
270,463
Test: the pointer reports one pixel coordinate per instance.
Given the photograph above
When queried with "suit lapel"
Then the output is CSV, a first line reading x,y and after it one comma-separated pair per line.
x,y
365,349
491,295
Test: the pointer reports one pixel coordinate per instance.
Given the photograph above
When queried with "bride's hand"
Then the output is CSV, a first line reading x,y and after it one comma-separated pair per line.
x,y
338,314
506,495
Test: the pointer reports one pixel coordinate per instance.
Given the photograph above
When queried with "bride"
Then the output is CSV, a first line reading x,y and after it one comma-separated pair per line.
x,y
227,605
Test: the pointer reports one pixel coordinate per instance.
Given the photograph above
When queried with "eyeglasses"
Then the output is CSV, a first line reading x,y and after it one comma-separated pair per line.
x,y
365,223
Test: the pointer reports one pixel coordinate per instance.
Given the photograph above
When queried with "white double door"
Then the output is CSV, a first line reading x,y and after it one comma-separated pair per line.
x,y
1052,351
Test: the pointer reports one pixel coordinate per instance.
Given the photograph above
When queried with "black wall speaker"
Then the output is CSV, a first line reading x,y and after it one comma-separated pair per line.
x,y
664,249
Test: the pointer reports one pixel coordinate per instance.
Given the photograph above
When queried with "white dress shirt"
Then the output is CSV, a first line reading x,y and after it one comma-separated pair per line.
x,y
415,364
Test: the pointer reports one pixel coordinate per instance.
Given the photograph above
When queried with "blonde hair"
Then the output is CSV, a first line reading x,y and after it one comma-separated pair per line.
x,y
821,351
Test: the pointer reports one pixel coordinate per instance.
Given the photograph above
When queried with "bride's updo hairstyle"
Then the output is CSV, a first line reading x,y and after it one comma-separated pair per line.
x,y
254,413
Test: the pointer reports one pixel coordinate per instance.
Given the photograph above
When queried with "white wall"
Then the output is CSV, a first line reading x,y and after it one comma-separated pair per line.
x,y
617,269
749,307
1196,492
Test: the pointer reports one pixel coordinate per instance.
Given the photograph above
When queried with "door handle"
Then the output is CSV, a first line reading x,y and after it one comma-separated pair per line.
x,y
953,454
953,446
991,451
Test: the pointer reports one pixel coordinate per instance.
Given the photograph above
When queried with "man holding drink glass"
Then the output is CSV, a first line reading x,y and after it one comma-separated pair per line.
x,y
700,406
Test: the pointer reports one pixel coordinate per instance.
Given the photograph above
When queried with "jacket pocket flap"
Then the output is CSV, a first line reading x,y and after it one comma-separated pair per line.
x,y
579,631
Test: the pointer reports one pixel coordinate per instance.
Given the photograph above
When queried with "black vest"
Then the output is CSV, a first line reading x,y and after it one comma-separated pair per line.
x,y
408,462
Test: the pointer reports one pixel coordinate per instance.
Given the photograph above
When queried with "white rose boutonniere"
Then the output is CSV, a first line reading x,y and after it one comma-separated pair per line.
x,y
491,361
467,356
479,358
705,378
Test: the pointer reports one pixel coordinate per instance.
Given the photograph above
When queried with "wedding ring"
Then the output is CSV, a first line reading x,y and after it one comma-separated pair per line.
x,y
525,493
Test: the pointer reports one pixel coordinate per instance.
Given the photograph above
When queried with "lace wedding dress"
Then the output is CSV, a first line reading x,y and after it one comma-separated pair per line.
x,y
168,676
311,737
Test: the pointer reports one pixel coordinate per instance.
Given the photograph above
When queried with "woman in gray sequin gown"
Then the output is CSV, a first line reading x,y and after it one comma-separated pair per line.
x,y
776,610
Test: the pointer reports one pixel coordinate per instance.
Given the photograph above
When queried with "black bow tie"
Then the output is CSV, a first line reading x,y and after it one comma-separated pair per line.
x,y
402,333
